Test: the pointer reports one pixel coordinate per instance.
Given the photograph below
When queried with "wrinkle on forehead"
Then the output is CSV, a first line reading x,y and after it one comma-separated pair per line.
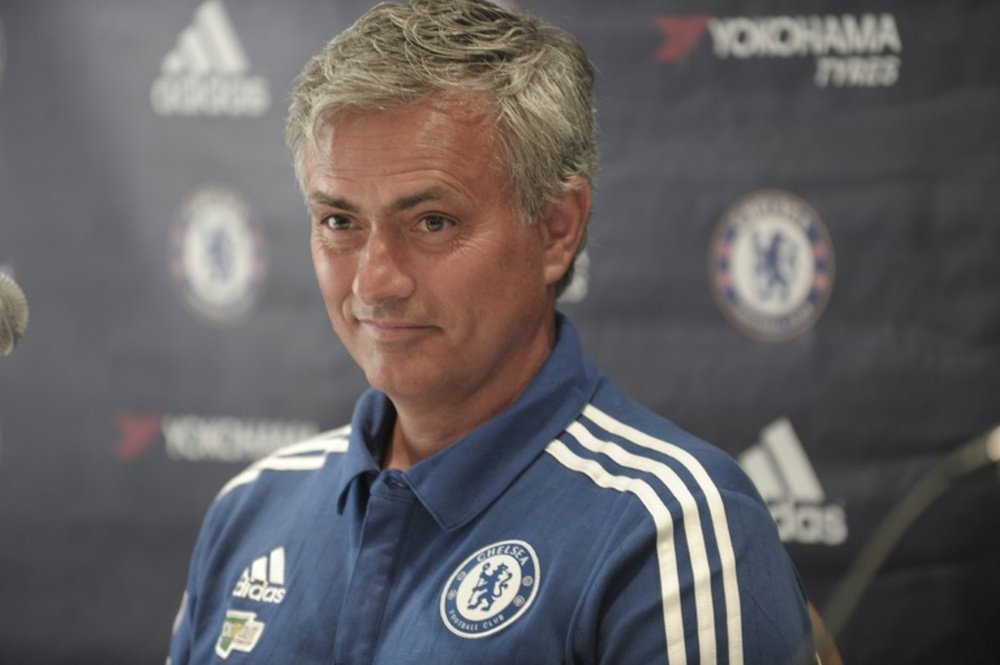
x,y
464,107
448,144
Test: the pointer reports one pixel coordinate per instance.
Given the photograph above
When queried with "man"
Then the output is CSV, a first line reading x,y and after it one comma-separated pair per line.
x,y
495,498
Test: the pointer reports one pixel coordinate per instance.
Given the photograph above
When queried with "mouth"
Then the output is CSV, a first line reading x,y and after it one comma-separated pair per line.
x,y
393,331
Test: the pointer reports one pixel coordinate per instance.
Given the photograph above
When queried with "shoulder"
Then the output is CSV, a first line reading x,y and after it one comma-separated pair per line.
x,y
293,460
264,494
707,538
622,442
660,476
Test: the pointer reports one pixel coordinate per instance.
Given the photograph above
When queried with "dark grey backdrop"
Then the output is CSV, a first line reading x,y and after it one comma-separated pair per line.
x,y
148,210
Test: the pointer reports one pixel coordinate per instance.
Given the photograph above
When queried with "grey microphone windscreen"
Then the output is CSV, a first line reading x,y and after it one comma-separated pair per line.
x,y
13,313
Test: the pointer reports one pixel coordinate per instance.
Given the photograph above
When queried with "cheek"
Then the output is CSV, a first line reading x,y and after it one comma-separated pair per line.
x,y
505,284
334,275
521,270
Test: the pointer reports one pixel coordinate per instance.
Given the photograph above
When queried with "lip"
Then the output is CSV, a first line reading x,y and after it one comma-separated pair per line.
x,y
392,331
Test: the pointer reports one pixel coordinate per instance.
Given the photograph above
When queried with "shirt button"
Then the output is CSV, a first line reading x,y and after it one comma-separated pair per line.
x,y
397,483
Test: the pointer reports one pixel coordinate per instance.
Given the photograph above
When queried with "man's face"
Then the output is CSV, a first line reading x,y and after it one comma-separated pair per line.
x,y
431,281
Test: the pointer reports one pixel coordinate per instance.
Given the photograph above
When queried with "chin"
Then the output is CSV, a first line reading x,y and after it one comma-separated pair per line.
x,y
398,386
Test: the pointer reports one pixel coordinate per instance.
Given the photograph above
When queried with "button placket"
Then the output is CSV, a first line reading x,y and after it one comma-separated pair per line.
x,y
389,511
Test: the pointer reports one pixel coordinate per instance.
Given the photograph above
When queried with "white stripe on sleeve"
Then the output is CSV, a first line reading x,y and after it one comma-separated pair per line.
x,y
700,569
717,513
673,622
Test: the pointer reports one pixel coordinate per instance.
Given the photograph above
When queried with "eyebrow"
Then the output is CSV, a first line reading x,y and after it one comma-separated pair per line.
x,y
332,201
399,205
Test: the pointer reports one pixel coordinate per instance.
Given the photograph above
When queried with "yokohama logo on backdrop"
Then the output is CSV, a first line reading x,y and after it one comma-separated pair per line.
x,y
196,438
851,51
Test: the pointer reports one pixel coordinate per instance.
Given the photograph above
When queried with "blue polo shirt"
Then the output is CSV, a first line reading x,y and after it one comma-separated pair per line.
x,y
575,527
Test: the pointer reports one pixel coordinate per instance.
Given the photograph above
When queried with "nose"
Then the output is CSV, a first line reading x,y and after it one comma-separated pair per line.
x,y
382,274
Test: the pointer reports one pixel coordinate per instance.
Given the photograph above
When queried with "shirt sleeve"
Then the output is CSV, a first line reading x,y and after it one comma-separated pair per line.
x,y
191,638
180,639
682,586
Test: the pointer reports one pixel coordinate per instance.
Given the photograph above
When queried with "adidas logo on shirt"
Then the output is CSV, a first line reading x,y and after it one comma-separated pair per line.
x,y
264,580
785,478
207,71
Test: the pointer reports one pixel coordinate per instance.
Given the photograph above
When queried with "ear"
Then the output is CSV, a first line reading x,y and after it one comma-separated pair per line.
x,y
563,223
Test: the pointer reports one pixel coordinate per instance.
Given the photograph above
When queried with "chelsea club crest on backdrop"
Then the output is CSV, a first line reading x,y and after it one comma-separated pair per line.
x,y
218,257
771,265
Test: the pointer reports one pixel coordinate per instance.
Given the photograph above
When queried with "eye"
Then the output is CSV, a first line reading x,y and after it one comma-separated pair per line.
x,y
336,222
434,223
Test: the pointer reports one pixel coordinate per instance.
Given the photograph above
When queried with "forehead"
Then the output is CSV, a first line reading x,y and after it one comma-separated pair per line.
x,y
373,159
452,124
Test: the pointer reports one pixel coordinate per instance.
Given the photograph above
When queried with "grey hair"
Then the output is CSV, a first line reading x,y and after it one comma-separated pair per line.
x,y
537,77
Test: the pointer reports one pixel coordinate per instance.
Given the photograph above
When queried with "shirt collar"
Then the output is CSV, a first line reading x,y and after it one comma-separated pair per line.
x,y
371,429
458,483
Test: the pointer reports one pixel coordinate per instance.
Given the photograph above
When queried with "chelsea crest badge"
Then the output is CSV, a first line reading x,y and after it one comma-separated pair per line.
x,y
771,265
218,257
490,589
